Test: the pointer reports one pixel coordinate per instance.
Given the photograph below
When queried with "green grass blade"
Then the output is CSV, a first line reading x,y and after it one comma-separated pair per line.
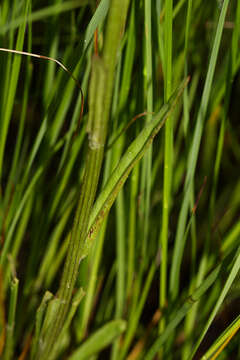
x,y
43,13
147,161
99,340
168,159
26,196
133,154
39,321
234,272
133,321
222,339
9,347
12,89
96,21
181,313
193,156
186,45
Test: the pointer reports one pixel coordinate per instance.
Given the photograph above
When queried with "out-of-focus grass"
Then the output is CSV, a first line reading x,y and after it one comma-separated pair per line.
x,y
161,279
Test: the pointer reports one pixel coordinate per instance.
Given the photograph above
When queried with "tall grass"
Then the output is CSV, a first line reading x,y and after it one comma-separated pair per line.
x,y
119,201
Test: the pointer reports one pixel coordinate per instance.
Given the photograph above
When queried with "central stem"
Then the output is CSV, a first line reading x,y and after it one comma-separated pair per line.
x,y
100,97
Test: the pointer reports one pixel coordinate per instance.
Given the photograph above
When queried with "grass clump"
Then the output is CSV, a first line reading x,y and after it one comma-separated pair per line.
x,y
118,240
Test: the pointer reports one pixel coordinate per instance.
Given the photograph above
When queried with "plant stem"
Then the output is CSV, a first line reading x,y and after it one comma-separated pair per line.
x,y
101,85
168,159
